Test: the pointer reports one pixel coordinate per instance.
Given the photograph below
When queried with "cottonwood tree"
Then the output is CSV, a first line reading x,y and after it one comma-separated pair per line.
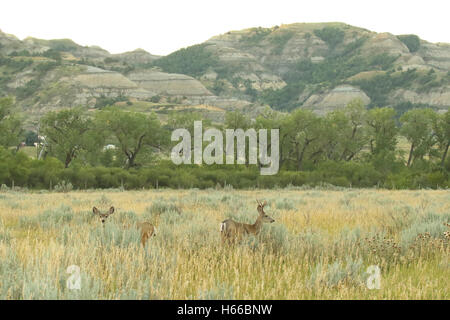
x,y
68,133
237,120
345,132
135,133
417,128
299,132
382,130
354,135
11,130
441,128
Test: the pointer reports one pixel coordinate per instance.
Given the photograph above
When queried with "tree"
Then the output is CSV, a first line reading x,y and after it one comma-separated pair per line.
x,y
135,133
382,130
69,132
236,120
299,131
332,36
349,129
411,41
31,138
11,130
441,128
417,129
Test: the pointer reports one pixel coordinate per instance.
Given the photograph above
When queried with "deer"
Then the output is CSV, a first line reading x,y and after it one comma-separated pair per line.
x,y
231,230
103,216
147,229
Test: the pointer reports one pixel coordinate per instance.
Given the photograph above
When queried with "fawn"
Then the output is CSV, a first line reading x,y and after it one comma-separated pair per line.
x,y
147,229
231,230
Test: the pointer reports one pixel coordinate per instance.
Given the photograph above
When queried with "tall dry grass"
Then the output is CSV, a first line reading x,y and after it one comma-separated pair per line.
x,y
319,247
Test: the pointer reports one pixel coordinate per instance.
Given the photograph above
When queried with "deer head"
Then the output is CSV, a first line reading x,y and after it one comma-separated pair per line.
x,y
264,217
103,216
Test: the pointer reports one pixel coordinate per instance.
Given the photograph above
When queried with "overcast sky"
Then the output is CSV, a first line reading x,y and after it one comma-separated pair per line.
x,y
161,27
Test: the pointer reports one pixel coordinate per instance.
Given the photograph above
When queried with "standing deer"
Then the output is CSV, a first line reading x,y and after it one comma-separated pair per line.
x,y
231,230
147,229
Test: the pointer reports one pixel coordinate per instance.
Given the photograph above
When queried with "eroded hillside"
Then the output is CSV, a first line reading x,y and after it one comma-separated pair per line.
x,y
310,65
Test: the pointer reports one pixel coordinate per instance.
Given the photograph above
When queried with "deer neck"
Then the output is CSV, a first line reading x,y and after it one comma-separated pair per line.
x,y
257,225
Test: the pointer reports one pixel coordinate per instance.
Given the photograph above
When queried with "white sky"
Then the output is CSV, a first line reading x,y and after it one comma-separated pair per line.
x,y
163,26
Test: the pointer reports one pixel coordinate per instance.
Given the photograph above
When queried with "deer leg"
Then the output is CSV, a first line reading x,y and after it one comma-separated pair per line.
x,y
144,237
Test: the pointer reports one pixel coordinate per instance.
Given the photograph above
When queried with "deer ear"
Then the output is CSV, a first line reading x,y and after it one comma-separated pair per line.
x,y
264,203
95,210
111,210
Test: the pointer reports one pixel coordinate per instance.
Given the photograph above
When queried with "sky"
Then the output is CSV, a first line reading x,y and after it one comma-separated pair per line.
x,y
161,27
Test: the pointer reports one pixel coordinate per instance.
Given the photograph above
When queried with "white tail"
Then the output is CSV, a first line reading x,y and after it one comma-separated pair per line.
x,y
222,226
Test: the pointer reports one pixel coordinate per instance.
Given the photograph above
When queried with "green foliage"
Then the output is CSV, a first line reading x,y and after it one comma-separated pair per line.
x,y
10,124
63,45
332,36
326,74
279,41
31,137
383,130
193,61
68,133
402,107
284,98
42,174
349,147
255,36
103,101
430,224
379,86
22,53
28,89
417,127
15,65
48,219
411,41
53,54
135,133
44,67
114,235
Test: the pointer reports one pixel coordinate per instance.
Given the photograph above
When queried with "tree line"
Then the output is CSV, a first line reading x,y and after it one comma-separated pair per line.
x,y
112,147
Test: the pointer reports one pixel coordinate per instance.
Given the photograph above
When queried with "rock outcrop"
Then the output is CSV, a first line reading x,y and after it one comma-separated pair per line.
x,y
337,98
138,56
169,84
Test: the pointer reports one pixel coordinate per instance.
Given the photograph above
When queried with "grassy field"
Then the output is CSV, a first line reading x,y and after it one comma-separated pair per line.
x,y
319,247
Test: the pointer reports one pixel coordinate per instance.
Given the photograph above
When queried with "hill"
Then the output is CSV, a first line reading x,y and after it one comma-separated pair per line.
x,y
320,66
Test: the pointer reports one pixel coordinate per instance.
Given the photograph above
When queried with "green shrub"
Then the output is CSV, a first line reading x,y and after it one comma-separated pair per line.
x,y
411,41
332,36
48,219
193,61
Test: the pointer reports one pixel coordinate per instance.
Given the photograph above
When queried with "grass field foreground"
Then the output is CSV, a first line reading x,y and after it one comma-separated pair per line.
x,y
319,247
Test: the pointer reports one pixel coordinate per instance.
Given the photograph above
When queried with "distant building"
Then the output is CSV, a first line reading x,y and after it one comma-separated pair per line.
x,y
109,147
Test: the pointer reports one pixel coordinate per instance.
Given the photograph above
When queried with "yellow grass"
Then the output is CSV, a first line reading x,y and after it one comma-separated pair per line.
x,y
187,260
